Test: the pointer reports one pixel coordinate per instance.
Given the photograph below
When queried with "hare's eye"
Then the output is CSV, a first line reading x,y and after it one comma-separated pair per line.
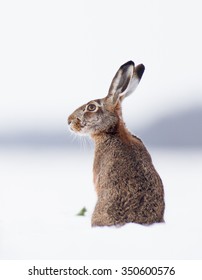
x,y
91,107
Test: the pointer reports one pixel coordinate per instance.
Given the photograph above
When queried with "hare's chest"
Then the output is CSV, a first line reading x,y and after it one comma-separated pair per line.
x,y
101,169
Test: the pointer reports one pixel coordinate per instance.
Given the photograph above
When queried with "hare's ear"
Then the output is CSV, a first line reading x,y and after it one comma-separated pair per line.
x,y
125,81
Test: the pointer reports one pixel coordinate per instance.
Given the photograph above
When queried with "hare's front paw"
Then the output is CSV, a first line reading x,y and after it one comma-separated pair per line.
x,y
99,220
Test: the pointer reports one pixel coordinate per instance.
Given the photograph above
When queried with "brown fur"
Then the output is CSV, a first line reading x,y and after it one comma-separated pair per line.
x,y
128,187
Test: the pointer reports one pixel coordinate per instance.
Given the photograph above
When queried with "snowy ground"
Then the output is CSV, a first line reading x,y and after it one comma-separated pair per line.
x,y
41,191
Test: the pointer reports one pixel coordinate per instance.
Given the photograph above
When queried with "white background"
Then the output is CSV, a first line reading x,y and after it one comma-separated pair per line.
x,y
57,55
42,191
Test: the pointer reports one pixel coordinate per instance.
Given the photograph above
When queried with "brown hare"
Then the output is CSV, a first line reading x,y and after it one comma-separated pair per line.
x,y
129,189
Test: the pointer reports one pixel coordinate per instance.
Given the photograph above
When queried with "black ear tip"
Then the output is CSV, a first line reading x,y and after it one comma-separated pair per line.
x,y
140,70
127,64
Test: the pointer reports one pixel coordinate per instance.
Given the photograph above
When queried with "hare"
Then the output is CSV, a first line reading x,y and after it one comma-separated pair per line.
x,y
129,190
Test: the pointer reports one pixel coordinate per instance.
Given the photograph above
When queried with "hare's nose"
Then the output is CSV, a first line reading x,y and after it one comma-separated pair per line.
x,y
69,120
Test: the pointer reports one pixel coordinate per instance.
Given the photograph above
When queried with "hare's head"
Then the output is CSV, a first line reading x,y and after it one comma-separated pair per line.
x,y
103,115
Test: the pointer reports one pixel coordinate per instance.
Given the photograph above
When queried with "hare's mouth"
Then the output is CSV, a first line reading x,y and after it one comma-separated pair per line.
x,y
77,127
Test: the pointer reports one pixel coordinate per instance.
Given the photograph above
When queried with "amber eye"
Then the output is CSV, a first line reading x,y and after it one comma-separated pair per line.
x,y
91,107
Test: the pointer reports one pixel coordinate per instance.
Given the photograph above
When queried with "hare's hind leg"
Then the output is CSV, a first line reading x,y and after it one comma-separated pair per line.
x,y
152,211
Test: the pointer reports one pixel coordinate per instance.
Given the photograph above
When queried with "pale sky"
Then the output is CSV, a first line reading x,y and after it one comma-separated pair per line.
x,y
57,55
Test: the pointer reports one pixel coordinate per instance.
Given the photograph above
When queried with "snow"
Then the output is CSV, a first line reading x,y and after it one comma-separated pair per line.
x,y
43,190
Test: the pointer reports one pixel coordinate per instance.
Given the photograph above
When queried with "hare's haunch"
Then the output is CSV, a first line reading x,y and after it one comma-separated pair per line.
x,y
129,189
